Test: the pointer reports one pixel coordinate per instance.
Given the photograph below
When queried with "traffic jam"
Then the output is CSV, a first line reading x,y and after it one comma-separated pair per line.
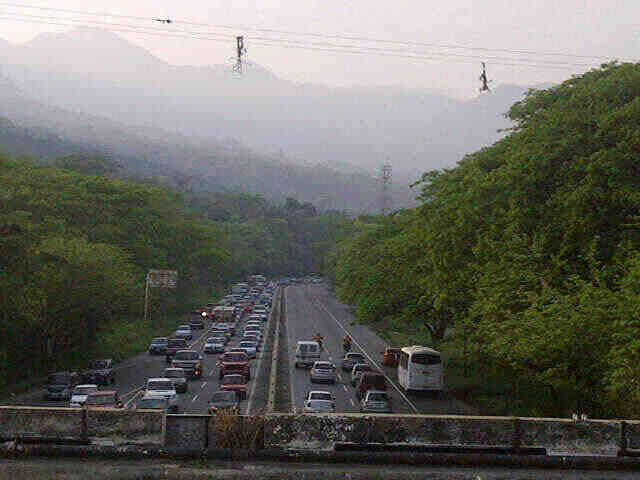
x,y
207,364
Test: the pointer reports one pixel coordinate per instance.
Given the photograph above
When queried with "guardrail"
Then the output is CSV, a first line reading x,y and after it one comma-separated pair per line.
x,y
273,373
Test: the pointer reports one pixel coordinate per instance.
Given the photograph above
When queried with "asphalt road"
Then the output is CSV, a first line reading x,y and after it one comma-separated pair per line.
x,y
133,373
313,309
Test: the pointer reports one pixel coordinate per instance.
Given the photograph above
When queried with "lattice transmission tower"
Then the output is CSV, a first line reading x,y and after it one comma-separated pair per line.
x,y
386,202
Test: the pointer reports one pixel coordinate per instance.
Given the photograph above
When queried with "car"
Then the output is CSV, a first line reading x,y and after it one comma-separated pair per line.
x,y
158,346
148,402
162,387
253,328
234,362
350,359
60,385
249,348
100,372
184,331
307,353
390,356
357,370
235,383
103,399
214,345
219,332
197,323
251,343
323,371
223,400
190,361
79,394
173,345
370,381
252,335
318,395
179,378
375,401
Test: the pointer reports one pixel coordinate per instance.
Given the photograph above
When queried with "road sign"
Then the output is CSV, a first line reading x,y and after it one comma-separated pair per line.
x,y
162,278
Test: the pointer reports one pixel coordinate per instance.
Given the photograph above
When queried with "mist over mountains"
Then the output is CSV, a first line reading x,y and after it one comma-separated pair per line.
x,y
254,132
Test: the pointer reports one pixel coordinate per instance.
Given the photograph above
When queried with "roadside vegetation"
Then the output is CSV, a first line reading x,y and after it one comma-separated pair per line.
x,y
76,245
522,263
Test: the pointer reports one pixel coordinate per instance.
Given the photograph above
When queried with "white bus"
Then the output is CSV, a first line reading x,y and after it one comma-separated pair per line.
x,y
420,368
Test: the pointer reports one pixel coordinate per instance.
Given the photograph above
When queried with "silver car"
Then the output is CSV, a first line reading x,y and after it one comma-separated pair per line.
x,y
184,331
249,347
214,345
350,359
323,372
375,401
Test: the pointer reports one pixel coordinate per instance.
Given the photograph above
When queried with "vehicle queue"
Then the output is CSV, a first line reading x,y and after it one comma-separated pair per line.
x,y
232,328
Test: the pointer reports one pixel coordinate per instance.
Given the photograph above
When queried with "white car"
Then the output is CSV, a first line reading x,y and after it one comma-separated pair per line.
x,y
80,393
163,388
184,331
249,347
213,345
319,401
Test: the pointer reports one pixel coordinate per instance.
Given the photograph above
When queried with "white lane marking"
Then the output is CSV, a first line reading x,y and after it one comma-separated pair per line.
x,y
330,358
409,402
128,402
204,384
195,397
353,404
345,388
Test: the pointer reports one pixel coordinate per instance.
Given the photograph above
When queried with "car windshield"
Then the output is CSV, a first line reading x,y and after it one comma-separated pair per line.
x,y
98,364
152,403
247,344
213,340
160,385
84,390
187,356
233,380
235,357
160,340
100,399
356,357
323,366
177,342
223,397
319,396
377,397
174,373
321,405
184,327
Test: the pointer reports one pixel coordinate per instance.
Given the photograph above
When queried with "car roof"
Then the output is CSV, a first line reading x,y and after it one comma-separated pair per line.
x,y
170,369
322,362
324,392
186,350
103,392
159,379
86,385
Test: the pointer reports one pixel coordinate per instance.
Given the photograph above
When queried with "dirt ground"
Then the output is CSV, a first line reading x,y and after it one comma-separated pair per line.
x,y
78,469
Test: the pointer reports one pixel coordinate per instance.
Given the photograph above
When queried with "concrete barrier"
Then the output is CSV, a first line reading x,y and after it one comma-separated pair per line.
x,y
313,432
43,422
186,431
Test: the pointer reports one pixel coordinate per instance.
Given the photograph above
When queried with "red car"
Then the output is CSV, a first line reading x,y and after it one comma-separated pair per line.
x,y
235,383
234,362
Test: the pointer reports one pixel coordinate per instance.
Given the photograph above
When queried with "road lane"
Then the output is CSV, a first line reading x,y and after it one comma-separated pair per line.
x,y
312,309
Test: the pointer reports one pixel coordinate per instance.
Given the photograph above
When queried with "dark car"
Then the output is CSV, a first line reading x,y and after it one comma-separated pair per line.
x,y
223,400
190,361
196,323
370,381
158,346
178,377
100,372
60,385
173,346
156,403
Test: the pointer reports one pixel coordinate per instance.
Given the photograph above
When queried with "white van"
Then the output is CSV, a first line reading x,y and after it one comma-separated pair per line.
x,y
307,353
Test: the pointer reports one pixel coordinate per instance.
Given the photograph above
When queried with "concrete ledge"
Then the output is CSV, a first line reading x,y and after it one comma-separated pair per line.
x,y
189,432
124,424
51,423
417,459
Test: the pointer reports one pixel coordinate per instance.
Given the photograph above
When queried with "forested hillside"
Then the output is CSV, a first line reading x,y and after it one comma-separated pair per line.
x,y
523,260
75,249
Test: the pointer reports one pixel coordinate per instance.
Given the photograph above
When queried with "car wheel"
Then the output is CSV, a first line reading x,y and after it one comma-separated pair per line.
x,y
297,366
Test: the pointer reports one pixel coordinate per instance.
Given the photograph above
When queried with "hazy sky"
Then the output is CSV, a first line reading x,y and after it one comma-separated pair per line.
x,y
492,30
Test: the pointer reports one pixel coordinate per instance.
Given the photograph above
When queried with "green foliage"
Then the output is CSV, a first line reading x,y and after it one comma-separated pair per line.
x,y
523,259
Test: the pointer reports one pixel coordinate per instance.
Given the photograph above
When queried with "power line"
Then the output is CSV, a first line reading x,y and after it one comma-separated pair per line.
x,y
314,46
318,35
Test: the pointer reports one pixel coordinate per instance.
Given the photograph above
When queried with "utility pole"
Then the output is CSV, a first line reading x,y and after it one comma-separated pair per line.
x,y
240,52
483,78
386,203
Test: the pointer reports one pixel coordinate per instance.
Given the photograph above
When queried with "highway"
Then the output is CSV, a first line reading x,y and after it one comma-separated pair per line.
x,y
313,309
310,309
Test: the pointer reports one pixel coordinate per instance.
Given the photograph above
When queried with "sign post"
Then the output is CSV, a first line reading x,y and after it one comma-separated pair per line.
x,y
158,279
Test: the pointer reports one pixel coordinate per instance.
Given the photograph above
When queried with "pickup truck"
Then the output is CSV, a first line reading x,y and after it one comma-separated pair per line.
x,y
100,372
